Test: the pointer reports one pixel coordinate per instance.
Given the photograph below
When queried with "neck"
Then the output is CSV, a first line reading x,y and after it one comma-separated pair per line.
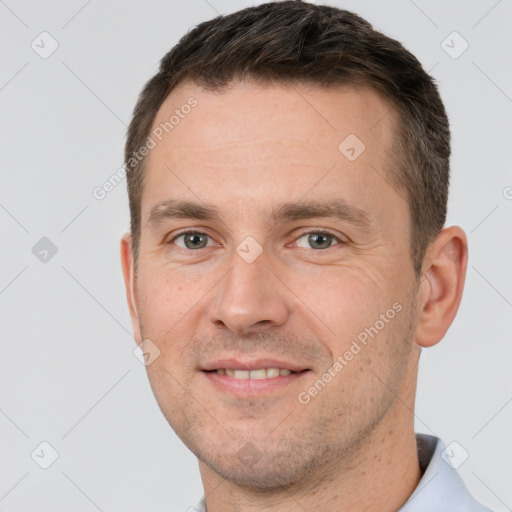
x,y
381,472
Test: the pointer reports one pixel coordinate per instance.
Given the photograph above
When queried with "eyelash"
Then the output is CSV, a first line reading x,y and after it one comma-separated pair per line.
x,y
317,232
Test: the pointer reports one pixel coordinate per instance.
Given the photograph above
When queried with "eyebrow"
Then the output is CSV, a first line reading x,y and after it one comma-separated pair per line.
x,y
338,209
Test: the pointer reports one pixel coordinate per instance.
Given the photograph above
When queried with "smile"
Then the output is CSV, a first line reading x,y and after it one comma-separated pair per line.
x,y
258,374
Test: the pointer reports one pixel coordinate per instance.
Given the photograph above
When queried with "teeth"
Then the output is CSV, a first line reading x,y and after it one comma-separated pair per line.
x,y
262,373
258,374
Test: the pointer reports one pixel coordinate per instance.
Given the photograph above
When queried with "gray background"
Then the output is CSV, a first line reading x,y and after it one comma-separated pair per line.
x,y
68,373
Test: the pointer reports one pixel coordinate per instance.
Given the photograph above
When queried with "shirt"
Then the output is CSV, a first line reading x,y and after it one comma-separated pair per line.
x,y
441,489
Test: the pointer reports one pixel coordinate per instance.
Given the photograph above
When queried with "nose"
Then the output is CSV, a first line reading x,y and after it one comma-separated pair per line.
x,y
250,298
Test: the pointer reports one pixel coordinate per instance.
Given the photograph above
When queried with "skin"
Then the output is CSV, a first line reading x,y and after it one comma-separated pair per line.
x,y
245,150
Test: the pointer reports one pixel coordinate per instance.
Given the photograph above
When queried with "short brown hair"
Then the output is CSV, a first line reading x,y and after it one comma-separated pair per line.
x,y
295,42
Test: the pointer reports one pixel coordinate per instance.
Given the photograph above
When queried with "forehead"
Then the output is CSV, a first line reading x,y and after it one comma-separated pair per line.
x,y
245,110
254,144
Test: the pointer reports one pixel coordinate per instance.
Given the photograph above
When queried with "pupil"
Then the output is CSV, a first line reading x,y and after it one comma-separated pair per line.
x,y
318,239
195,239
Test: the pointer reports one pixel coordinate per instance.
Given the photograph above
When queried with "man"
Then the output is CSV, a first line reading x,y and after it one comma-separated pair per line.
x,y
287,261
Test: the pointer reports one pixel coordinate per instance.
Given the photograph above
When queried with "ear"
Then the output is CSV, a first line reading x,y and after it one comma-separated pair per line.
x,y
442,285
129,281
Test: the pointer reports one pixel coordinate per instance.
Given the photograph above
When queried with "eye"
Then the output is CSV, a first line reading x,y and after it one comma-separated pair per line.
x,y
192,240
318,240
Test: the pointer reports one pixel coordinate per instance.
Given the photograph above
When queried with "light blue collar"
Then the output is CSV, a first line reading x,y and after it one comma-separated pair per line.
x,y
441,488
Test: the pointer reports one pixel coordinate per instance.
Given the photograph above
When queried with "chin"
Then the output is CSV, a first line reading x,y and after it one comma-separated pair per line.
x,y
262,477
272,470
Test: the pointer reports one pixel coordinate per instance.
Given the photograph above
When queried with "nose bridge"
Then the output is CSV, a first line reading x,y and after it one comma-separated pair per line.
x,y
250,296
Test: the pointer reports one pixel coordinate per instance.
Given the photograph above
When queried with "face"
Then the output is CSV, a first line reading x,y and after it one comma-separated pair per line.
x,y
274,277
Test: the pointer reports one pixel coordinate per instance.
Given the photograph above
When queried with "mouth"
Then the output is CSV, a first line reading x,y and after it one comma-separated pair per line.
x,y
252,378
257,374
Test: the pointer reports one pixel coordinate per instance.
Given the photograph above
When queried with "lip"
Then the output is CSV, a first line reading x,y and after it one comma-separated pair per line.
x,y
252,364
251,388
247,388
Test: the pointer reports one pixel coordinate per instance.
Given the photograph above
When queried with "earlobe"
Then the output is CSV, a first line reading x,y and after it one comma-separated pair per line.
x,y
442,285
129,281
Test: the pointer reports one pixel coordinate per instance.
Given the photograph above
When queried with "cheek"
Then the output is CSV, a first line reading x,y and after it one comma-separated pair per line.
x,y
346,300
166,307
165,297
